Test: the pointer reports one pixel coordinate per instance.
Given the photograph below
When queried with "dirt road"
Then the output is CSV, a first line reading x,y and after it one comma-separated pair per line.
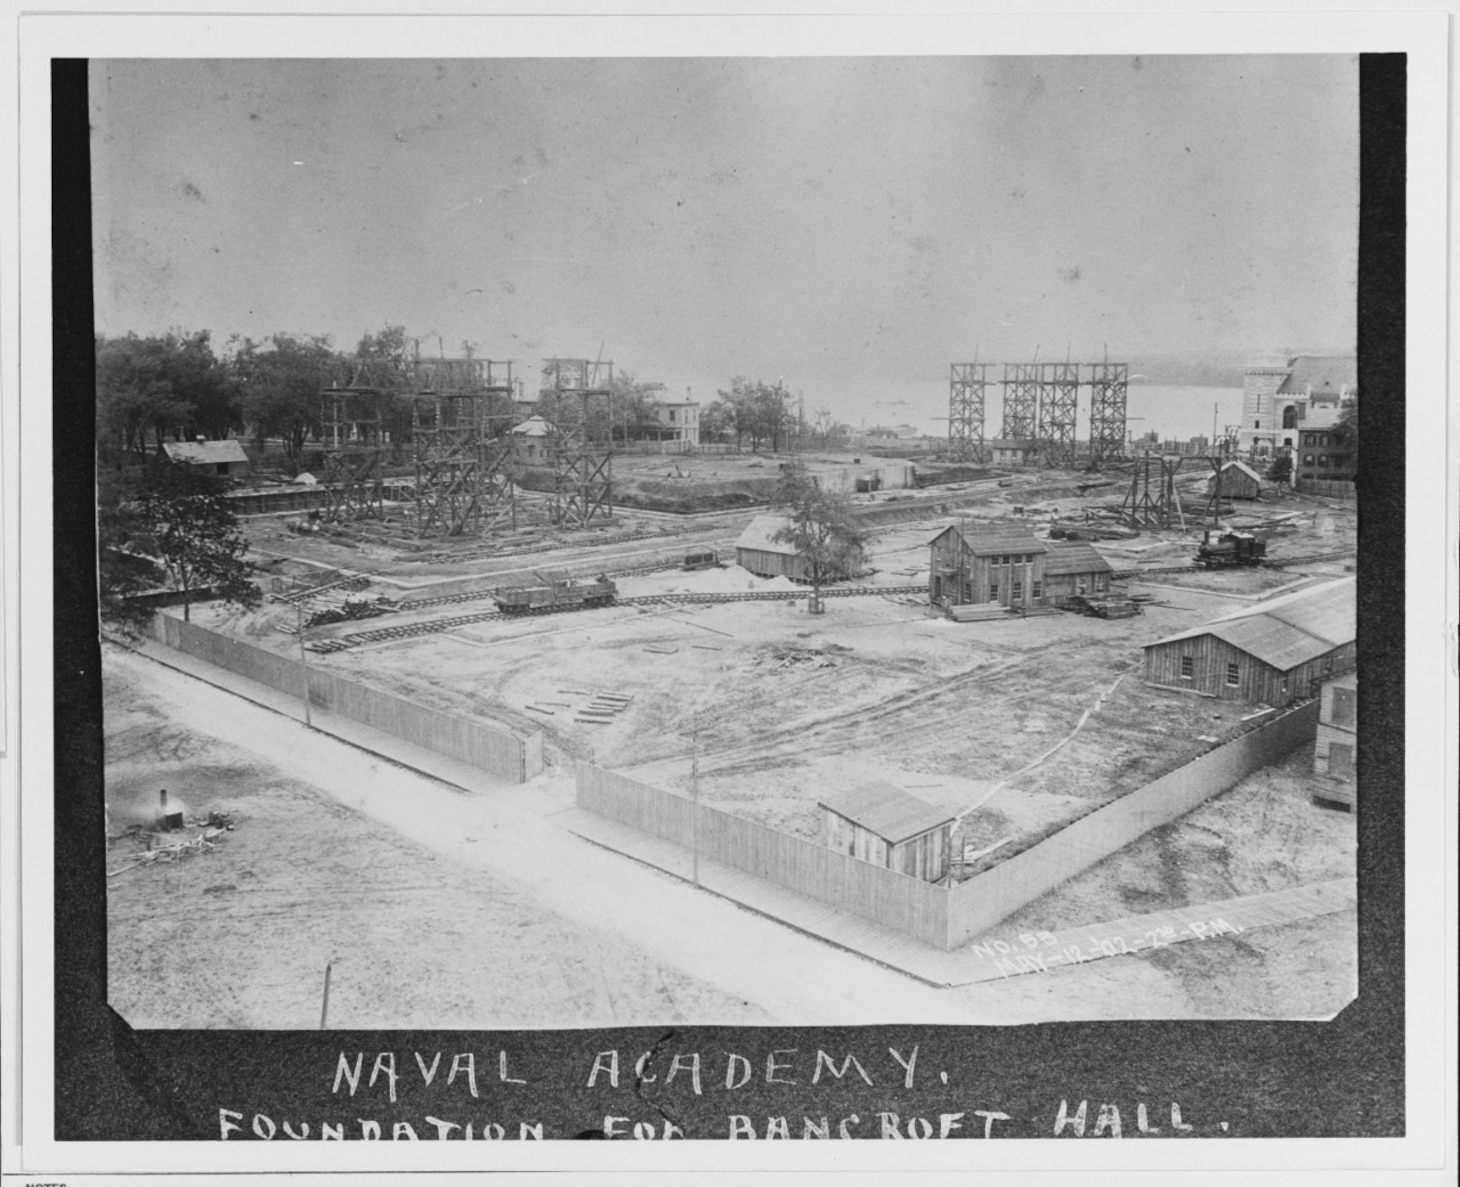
x,y
444,908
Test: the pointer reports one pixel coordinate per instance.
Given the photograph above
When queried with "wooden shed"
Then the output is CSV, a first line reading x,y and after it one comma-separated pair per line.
x,y
1016,451
757,553
224,458
1270,653
1335,752
1239,481
1075,568
880,824
971,566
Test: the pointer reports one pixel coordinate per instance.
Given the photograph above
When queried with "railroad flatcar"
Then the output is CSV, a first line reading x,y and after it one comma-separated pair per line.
x,y
1230,550
557,594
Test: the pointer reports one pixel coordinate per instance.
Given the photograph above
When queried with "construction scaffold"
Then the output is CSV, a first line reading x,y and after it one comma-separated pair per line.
x,y
967,386
1108,384
1021,401
1059,390
1040,411
580,395
352,422
461,417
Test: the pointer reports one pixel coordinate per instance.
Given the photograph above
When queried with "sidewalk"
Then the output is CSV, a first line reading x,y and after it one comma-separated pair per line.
x,y
990,958
458,774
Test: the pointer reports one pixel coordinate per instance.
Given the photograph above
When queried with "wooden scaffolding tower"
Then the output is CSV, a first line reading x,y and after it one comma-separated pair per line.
x,y
352,419
1059,391
1021,401
581,395
1152,499
461,414
1108,384
967,385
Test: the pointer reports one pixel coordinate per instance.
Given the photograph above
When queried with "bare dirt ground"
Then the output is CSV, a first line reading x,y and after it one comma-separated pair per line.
x,y
443,908
780,706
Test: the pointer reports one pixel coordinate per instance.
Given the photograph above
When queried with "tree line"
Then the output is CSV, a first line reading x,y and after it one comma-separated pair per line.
x,y
179,386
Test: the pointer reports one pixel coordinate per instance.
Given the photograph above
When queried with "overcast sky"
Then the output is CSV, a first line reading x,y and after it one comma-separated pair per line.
x,y
849,224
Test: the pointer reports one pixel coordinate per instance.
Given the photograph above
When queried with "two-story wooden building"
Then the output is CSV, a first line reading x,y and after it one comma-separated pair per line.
x,y
969,567
972,566
1270,653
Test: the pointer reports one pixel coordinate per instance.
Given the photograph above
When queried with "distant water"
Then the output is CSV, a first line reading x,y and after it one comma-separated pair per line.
x,y
1176,413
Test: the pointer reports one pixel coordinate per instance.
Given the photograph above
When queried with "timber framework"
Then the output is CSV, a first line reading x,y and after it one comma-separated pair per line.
x,y
1040,403
580,393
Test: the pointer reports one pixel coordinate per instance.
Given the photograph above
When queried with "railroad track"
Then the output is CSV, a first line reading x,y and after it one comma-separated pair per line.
x,y
435,626
1271,563
438,625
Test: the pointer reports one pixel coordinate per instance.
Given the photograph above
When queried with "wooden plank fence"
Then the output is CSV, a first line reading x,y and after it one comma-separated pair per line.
x,y
837,879
988,898
947,918
499,749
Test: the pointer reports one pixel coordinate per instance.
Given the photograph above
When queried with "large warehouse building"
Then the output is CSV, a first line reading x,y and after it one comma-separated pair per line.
x,y
1270,653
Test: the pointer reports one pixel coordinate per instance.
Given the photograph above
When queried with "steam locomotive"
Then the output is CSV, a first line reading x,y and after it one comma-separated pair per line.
x,y
1231,550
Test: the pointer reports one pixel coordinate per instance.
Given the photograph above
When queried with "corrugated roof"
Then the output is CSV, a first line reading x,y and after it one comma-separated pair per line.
x,y
1289,630
1064,559
892,814
757,536
1323,373
996,541
207,453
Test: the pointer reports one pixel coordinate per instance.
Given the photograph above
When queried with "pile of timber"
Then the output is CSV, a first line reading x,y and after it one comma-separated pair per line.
x,y
977,612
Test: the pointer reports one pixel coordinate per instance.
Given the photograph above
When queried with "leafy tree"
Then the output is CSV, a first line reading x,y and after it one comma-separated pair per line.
x,y
717,421
760,411
191,526
384,361
281,380
821,526
1281,469
123,569
168,385
827,430
634,400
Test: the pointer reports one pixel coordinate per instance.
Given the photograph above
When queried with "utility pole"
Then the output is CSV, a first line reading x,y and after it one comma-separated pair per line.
x,y
304,663
694,783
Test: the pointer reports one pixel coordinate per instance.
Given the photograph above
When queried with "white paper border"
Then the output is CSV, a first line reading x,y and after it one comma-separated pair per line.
x,y
1430,704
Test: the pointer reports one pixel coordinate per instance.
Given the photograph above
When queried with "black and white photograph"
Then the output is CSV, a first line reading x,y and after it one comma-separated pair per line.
x,y
711,571
766,541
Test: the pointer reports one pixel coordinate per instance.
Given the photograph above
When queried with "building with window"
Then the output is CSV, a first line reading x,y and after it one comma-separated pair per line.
x,y
677,420
970,566
1270,653
1282,397
1074,569
530,441
887,827
1323,454
1338,739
